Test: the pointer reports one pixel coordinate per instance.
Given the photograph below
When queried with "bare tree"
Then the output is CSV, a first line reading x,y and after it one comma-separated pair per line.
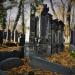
x,y
69,12
18,15
51,2
63,8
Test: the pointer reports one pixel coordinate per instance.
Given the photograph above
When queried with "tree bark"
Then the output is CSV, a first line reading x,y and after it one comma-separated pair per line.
x,y
69,13
53,9
18,15
63,9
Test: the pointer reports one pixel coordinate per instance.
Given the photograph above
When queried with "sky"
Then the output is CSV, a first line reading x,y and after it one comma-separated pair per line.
x,y
14,10
13,13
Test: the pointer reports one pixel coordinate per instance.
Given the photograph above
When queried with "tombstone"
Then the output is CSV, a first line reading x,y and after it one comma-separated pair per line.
x,y
44,21
33,28
57,35
49,29
44,31
61,36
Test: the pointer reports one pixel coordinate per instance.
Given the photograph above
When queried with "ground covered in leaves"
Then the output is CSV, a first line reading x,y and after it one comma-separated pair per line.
x,y
63,58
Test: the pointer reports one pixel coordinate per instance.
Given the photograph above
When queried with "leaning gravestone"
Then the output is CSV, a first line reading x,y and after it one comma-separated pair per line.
x,y
10,63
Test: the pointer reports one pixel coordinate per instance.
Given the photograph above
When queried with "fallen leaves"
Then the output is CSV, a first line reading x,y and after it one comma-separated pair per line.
x,y
63,58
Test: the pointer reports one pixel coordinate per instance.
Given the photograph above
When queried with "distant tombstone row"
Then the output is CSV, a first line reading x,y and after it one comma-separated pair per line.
x,y
12,37
51,33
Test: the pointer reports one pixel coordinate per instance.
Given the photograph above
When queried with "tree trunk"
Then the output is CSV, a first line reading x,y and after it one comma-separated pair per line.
x,y
68,19
53,9
69,13
23,25
18,15
63,9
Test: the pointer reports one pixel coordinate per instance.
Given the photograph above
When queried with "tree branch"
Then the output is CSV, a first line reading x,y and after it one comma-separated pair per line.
x,y
53,8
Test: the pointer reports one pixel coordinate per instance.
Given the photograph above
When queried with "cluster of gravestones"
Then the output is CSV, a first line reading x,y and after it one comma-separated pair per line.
x,y
51,33
3,35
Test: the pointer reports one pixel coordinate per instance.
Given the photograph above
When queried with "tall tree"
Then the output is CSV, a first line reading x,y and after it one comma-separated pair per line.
x,y
69,12
68,18
51,2
18,15
23,25
63,8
